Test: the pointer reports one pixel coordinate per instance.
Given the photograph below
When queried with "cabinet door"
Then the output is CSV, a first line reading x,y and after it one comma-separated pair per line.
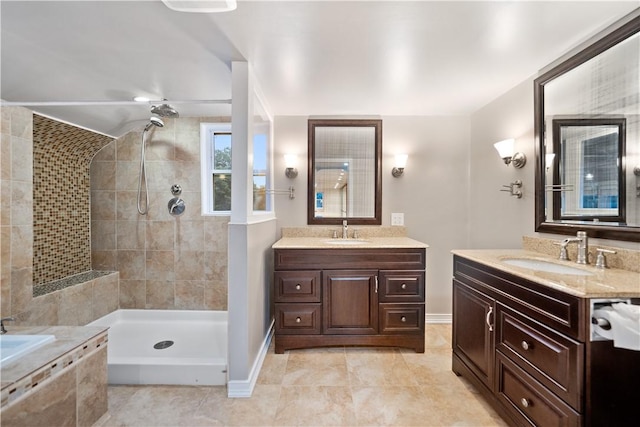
x,y
349,302
473,316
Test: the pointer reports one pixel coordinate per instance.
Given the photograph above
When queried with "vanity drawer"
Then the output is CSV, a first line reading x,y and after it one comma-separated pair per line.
x,y
528,401
401,286
297,286
298,318
401,318
553,359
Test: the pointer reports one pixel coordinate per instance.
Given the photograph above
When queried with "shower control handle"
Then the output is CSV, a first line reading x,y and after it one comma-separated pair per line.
x,y
176,206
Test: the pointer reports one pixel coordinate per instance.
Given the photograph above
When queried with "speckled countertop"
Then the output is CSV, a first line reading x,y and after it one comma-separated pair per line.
x,y
607,283
364,243
68,339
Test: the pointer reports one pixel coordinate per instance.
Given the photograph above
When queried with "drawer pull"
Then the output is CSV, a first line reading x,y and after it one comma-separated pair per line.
x,y
298,320
403,319
487,319
525,345
525,402
403,286
298,287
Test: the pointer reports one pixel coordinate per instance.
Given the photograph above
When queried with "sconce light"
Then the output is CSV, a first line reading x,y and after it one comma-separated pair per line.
x,y
505,150
548,160
401,162
290,161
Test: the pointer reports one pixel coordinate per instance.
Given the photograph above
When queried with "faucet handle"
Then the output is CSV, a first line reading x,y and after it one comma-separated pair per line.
x,y
601,261
5,319
564,255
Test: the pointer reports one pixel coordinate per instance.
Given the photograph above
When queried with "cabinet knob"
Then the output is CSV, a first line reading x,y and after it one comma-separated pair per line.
x,y
403,286
403,319
525,345
298,320
298,287
525,402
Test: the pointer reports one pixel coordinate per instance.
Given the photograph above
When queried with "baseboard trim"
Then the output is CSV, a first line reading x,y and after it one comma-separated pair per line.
x,y
437,318
244,388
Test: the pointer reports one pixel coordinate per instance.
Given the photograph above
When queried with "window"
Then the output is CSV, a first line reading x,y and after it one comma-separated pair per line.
x,y
216,148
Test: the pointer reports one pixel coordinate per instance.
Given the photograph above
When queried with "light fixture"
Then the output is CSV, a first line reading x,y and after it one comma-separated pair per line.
x,y
141,99
401,162
290,161
505,150
548,160
201,6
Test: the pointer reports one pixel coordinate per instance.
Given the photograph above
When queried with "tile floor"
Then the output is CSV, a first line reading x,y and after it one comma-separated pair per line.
x,y
321,387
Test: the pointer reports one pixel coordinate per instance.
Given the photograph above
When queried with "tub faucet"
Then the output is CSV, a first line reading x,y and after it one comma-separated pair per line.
x,y
345,229
5,319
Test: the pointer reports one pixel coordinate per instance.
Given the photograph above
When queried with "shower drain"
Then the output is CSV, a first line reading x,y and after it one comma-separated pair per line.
x,y
162,345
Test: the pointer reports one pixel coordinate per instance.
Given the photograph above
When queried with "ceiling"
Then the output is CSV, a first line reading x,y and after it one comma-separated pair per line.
x,y
310,58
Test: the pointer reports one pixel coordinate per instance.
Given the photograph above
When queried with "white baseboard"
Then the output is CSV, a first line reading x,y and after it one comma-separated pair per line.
x,y
244,388
437,318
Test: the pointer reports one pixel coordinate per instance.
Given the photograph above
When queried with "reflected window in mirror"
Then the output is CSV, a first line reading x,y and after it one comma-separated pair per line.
x,y
344,171
601,83
589,170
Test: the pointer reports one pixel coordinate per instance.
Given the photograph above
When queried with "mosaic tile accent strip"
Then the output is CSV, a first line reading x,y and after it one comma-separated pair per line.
x,y
77,279
61,198
24,386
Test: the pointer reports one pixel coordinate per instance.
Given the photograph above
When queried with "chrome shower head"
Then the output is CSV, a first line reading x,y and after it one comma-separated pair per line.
x,y
164,110
154,121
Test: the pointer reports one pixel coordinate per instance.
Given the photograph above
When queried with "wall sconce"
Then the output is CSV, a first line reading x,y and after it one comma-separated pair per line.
x,y
505,150
401,162
290,161
548,160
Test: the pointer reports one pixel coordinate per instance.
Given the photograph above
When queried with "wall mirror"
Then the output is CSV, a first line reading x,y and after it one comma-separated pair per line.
x,y
587,127
344,171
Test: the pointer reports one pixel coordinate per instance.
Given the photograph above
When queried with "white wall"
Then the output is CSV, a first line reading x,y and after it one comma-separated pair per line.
x,y
432,194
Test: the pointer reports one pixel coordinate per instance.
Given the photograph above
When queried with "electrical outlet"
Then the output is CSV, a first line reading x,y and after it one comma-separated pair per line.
x,y
397,219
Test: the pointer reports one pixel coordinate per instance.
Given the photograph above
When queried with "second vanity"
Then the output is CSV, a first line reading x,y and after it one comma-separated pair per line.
x,y
331,292
522,334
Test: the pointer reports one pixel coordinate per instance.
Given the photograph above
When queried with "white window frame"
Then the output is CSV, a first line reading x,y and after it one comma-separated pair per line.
x,y
206,166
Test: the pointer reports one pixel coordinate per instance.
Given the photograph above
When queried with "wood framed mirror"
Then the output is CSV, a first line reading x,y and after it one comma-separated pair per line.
x,y
345,180
592,98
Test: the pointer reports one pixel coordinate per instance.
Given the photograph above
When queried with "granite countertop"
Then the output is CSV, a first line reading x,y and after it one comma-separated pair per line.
x,y
67,339
363,243
607,283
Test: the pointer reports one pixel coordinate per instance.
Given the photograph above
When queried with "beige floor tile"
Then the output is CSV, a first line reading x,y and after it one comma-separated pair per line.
x,y
378,367
307,368
315,406
390,406
273,368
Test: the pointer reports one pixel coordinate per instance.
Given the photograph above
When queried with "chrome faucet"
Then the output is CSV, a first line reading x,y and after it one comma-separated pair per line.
x,y
5,319
583,247
345,229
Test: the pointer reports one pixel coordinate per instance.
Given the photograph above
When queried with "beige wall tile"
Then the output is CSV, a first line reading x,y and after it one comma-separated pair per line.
x,y
160,265
160,294
103,235
190,235
105,295
189,295
106,153
103,175
104,260
130,235
103,205
92,388
21,207
160,235
189,265
133,294
76,305
131,264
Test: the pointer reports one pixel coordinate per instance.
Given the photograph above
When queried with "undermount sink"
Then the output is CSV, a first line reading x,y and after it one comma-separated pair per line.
x,y
14,346
346,242
546,266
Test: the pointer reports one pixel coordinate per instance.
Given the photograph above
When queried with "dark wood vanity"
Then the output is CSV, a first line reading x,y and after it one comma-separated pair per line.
x,y
349,296
527,348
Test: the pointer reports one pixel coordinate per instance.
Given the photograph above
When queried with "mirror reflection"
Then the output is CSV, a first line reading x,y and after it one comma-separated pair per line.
x,y
588,179
344,181
588,119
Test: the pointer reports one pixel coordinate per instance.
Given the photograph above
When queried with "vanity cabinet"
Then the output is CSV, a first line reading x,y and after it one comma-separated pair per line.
x,y
365,297
527,348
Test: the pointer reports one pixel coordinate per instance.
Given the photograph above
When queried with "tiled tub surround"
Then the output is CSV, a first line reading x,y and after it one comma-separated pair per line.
x,y
165,262
63,383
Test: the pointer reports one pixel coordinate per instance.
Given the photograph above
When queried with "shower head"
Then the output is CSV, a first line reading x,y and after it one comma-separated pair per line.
x,y
154,121
164,110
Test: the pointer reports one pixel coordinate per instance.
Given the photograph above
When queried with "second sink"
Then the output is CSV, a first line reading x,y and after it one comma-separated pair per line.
x,y
547,266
